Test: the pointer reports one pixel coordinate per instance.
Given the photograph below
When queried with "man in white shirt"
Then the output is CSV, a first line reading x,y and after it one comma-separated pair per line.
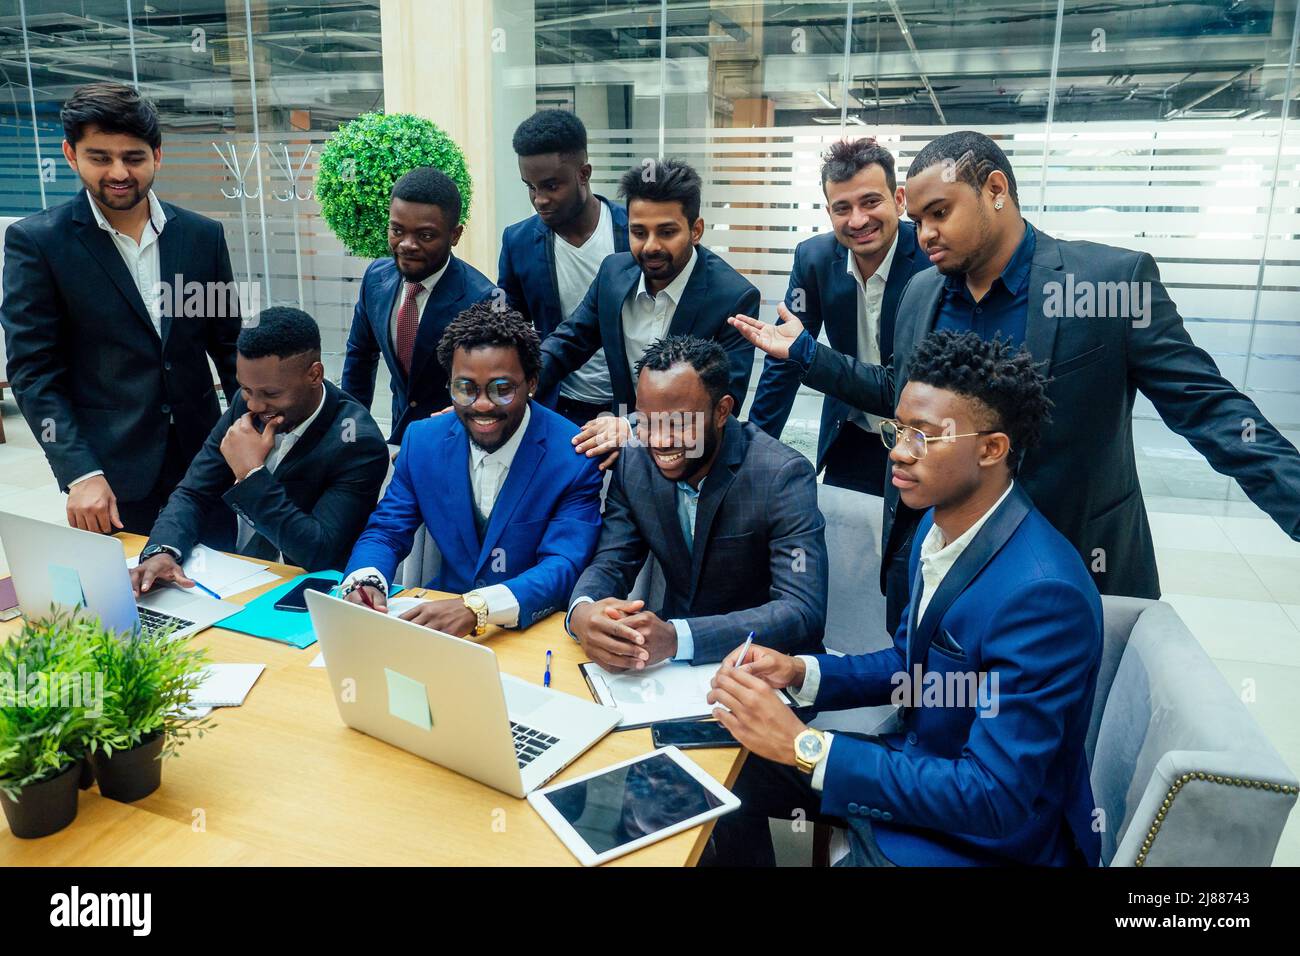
x,y
993,667
111,376
513,512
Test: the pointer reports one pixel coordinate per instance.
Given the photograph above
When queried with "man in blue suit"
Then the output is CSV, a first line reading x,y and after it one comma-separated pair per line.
x,y
407,302
668,284
848,281
548,261
514,513
994,666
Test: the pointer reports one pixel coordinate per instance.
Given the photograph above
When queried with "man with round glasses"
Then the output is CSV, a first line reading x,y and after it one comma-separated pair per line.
x,y
514,513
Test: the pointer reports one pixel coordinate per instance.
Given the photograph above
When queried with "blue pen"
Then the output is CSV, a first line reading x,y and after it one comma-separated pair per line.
x,y
546,678
744,650
206,590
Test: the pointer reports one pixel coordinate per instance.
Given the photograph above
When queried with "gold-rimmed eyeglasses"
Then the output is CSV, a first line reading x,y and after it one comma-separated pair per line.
x,y
914,442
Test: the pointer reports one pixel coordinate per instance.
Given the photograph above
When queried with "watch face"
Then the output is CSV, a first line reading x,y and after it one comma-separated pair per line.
x,y
809,746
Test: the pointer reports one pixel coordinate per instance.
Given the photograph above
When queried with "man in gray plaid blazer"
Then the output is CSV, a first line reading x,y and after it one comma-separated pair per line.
x,y
729,513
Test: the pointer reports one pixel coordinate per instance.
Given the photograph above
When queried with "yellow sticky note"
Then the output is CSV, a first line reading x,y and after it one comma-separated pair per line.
x,y
408,699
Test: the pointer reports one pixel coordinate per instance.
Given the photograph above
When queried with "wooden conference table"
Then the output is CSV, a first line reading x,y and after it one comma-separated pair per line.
x,y
282,781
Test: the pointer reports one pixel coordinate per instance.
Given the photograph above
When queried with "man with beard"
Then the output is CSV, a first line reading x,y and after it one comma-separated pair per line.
x,y
407,302
112,378
1100,323
513,511
549,260
729,513
668,284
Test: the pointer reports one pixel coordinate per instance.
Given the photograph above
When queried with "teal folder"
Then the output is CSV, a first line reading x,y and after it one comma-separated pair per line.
x,y
260,618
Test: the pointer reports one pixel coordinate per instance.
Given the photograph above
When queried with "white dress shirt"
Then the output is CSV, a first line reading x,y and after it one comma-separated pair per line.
x,y
284,443
141,260
647,317
421,298
871,300
487,476
937,559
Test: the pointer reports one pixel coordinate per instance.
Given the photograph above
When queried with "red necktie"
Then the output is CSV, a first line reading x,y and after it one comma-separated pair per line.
x,y
408,321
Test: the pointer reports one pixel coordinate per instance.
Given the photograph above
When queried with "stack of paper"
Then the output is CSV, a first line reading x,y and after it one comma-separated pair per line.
x,y
220,573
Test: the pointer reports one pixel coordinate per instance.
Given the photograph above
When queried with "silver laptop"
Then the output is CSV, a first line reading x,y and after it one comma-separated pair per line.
x,y
65,567
443,699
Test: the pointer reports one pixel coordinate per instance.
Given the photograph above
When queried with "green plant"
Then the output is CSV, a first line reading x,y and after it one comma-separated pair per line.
x,y
50,699
359,165
151,678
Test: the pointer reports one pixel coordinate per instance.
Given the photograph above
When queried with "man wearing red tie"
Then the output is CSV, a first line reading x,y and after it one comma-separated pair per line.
x,y
407,302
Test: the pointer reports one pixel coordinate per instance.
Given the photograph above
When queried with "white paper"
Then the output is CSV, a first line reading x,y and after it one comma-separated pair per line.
x,y
193,711
669,690
318,660
221,573
226,685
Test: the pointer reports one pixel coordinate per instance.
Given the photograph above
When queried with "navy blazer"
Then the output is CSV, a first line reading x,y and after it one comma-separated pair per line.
x,y
460,287
83,354
714,292
1083,473
992,778
759,560
830,300
526,270
311,508
542,530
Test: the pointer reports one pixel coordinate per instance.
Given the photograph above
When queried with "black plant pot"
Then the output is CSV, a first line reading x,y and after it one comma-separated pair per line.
x,y
45,807
87,774
130,774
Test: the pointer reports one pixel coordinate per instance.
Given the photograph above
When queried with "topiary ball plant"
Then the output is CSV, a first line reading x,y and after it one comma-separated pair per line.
x,y
359,165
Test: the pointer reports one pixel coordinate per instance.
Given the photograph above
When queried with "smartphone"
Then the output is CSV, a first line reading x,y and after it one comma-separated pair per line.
x,y
691,734
296,600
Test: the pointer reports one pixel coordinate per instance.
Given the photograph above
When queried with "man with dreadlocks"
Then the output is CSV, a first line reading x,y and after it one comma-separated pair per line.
x,y
514,513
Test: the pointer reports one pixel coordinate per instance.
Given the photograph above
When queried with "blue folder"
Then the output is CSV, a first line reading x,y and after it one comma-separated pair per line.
x,y
261,619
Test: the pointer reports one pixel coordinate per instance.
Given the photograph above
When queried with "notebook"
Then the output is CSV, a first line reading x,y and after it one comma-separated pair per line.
x,y
226,685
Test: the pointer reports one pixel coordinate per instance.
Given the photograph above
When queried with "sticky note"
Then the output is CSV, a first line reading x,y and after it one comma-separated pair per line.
x,y
408,700
65,583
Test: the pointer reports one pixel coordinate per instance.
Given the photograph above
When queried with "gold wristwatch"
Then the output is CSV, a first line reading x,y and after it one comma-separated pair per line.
x,y
474,601
809,748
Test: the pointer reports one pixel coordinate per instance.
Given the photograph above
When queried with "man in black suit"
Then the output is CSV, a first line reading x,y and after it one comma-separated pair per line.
x,y
113,302
729,513
290,473
849,281
1103,326
668,284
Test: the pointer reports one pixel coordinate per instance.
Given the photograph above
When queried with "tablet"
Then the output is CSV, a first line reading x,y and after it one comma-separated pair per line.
x,y
632,804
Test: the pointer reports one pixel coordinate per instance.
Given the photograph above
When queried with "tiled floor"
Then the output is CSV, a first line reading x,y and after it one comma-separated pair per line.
x,y
1232,575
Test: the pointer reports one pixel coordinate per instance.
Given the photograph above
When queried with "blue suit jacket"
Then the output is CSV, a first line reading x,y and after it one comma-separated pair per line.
x,y
714,292
954,786
830,299
526,270
426,392
542,531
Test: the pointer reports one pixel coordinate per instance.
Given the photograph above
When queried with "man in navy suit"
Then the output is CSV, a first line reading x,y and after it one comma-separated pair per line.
x,y
667,284
847,281
407,302
111,376
514,513
548,261
994,666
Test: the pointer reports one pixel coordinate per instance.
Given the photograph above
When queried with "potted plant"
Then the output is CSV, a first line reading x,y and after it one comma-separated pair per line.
x,y
359,165
50,701
151,678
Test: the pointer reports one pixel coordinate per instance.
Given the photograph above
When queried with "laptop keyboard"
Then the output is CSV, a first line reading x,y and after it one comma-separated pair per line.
x,y
151,620
530,744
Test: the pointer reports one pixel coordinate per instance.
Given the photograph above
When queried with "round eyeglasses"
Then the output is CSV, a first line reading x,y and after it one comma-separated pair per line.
x,y
500,391
914,442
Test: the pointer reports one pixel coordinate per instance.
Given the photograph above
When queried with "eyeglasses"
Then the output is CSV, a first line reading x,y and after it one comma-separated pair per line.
x,y
915,443
500,391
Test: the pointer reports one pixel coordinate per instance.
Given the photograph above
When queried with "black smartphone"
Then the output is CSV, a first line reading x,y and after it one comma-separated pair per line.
x,y
691,734
296,600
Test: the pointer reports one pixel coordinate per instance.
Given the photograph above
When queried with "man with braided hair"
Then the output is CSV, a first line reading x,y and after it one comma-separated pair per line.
x,y
993,667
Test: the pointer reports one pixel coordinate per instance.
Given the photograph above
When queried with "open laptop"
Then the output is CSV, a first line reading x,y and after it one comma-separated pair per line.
x,y
67,567
443,699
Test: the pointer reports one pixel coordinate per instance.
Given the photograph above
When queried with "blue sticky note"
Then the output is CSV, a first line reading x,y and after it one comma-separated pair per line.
x,y
65,585
408,700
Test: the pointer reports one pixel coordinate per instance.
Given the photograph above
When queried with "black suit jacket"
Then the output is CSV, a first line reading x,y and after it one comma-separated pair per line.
x,y
714,292
312,508
821,284
759,561
92,377
1083,475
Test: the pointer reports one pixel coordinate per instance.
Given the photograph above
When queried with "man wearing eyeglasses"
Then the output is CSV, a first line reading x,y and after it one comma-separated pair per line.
x,y
514,513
